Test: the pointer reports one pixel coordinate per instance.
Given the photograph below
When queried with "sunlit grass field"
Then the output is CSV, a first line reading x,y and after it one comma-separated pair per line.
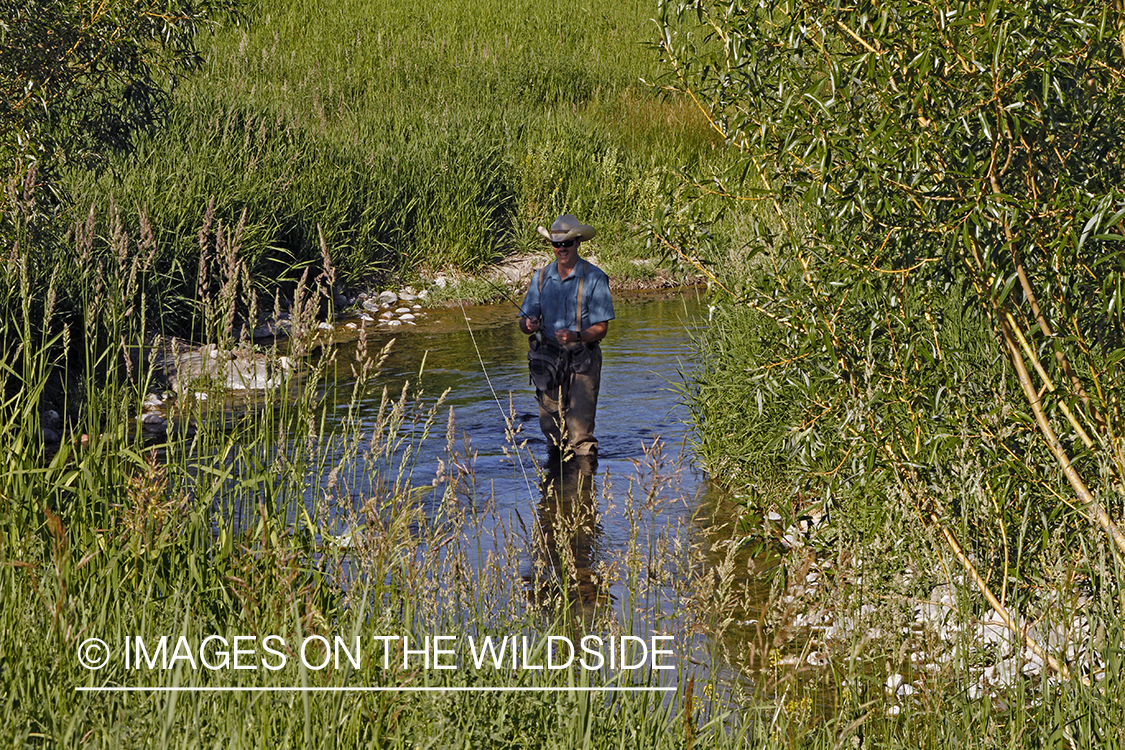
x,y
415,135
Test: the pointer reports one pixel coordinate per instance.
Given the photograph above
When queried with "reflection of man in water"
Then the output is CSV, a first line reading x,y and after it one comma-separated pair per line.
x,y
566,542
567,309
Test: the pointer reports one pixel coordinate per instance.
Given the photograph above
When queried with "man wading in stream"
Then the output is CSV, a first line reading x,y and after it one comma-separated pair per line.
x,y
567,309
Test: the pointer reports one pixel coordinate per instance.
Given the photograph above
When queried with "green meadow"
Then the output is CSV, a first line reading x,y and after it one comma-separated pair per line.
x,y
368,142
414,137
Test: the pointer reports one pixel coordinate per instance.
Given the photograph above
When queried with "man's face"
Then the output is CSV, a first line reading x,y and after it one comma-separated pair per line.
x,y
566,251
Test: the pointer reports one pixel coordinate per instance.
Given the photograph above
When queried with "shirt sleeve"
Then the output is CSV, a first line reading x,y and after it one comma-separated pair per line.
x,y
599,305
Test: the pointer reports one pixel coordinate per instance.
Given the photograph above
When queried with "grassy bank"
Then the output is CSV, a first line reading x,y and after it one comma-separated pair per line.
x,y
263,522
388,143
411,139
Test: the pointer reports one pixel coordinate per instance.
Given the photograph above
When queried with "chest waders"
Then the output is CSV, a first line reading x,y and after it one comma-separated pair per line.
x,y
551,365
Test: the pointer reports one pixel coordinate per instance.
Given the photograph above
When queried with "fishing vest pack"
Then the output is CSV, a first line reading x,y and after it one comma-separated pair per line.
x,y
552,365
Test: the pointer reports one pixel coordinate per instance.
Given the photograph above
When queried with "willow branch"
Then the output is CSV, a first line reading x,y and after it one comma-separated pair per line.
x,y
1086,439
996,605
1033,302
1093,507
1060,356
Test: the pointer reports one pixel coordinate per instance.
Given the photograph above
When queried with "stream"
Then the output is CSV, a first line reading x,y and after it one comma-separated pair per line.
x,y
480,356
477,356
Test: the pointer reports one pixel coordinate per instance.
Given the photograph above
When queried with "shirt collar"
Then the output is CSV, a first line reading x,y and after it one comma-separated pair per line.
x,y
578,272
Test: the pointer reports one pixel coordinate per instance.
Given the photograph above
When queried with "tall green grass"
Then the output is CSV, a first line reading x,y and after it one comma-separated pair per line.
x,y
267,522
235,525
414,139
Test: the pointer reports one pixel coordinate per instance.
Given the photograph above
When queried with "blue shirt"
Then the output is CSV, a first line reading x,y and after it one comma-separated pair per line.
x,y
557,304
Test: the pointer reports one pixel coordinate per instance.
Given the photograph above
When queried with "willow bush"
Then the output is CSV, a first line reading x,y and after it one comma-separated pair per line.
x,y
938,262
80,81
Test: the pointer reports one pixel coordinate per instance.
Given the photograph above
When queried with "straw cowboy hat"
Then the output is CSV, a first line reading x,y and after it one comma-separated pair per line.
x,y
566,227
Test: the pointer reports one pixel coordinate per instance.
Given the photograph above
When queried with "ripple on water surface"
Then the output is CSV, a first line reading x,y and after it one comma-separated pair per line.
x,y
482,362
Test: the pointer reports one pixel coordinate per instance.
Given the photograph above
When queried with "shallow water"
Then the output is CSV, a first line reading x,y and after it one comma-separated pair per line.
x,y
479,354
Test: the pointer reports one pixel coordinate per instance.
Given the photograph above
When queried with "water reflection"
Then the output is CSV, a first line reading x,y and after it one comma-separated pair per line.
x,y
478,355
561,574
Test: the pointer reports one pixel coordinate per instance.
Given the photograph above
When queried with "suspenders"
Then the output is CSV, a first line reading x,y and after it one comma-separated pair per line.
x,y
577,302
552,366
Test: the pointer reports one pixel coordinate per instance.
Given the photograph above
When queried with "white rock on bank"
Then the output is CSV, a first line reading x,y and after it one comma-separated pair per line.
x,y
1032,664
893,683
993,631
937,612
797,534
1004,673
817,659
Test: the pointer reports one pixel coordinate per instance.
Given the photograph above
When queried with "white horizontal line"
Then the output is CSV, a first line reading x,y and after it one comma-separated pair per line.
x,y
362,689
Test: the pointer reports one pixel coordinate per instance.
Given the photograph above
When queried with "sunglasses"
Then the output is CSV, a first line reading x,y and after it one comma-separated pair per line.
x,y
567,243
